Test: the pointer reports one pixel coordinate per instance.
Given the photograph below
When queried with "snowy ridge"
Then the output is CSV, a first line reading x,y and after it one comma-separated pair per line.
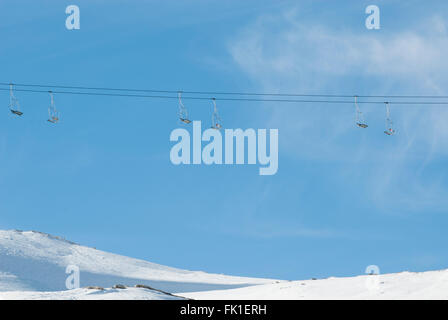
x,y
33,264
89,294
403,285
35,261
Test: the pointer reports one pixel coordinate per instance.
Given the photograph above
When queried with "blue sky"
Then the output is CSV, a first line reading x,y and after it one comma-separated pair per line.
x,y
343,198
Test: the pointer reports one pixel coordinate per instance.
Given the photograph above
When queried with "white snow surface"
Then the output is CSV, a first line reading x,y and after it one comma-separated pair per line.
x,y
403,285
89,294
33,266
35,261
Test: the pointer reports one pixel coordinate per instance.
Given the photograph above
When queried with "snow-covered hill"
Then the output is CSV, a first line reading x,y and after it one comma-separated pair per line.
x,y
403,285
90,294
34,261
33,265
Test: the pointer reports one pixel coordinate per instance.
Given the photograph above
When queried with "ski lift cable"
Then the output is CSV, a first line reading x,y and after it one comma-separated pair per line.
x,y
230,98
213,93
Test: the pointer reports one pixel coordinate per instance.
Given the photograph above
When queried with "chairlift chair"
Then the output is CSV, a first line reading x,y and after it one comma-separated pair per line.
x,y
53,119
216,119
389,124
14,105
17,112
53,114
389,132
359,118
183,112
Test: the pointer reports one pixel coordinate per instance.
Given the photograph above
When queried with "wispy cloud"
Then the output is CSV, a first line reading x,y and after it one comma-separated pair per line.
x,y
285,47
282,53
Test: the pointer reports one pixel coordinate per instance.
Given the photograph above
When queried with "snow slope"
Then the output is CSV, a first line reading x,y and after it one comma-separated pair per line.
x,y
34,261
33,265
404,285
89,294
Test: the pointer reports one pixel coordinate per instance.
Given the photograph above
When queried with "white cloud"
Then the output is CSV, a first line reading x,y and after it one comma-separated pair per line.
x,y
285,54
284,46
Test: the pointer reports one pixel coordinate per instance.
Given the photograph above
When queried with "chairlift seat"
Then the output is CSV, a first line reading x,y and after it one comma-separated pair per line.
x,y
362,125
53,119
185,120
17,112
389,132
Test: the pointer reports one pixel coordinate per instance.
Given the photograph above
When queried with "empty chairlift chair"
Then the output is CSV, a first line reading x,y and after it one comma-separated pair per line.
x,y
14,105
216,119
53,114
389,124
359,118
183,112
